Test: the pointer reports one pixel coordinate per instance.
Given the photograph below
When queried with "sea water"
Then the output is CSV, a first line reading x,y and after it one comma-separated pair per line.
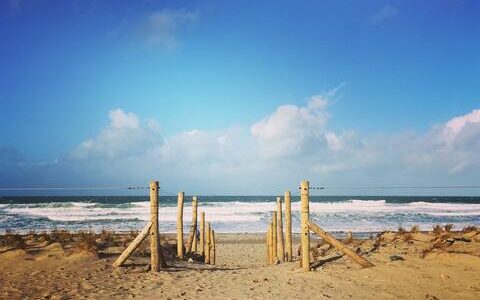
x,y
236,213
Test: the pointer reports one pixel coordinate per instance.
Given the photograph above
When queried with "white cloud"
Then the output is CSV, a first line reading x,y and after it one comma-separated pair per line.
x,y
291,143
385,13
290,130
162,27
457,127
120,119
122,137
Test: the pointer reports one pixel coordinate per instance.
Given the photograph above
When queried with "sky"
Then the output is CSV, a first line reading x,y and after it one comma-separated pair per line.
x,y
249,97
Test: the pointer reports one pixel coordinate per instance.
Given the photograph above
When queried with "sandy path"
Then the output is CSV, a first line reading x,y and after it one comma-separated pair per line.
x,y
240,273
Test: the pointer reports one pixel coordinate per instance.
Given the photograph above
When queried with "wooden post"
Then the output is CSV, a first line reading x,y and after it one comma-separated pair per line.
x,y
156,255
288,229
267,245
340,246
213,254
202,233
133,245
304,216
270,245
180,225
207,244
193,226
275,240
281,245
194,245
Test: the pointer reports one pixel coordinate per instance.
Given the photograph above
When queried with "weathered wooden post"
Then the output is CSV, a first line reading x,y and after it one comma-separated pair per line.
x,y
304,216
207,244
343,248
288,229
194,245
275,240
180,225
193,226
202,233
270,242
156,256
281,245
267,245
213,254
133,245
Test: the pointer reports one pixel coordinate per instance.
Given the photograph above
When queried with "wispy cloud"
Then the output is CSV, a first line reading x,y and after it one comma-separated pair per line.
x,y
385,13
163,27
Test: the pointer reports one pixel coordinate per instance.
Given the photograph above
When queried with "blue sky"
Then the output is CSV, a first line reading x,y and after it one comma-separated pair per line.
x,y
383,74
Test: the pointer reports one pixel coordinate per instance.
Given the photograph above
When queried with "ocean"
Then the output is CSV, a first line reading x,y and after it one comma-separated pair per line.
x,y
236,213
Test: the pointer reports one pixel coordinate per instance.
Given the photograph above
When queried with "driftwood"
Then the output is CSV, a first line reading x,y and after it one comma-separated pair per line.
x,y
133,245
339,245
180,225
288,227
304,215
281,245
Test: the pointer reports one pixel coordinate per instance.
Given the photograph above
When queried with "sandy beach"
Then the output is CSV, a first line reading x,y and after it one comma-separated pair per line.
x,y
441,265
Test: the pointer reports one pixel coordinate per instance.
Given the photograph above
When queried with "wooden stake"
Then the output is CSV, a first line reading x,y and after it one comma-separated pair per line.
x,y
202,233
193,226
304,216
194,246
270,245
180,225
156,254
281,244
133,245
275,240
213,254
207,245
288,229
267,245
340,246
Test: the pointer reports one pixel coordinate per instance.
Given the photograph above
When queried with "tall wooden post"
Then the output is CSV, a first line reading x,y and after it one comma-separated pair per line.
x,y
193,226
213,255
194,245
267,245
207,244
202,233
281,245
180,225
304,216
156,256
270,242
288,229
275,240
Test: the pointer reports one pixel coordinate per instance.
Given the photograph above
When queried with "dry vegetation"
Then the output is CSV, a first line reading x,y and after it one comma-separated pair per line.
x,y
84,241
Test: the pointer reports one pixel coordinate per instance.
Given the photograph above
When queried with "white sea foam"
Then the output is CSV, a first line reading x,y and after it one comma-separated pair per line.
x,y
355,215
